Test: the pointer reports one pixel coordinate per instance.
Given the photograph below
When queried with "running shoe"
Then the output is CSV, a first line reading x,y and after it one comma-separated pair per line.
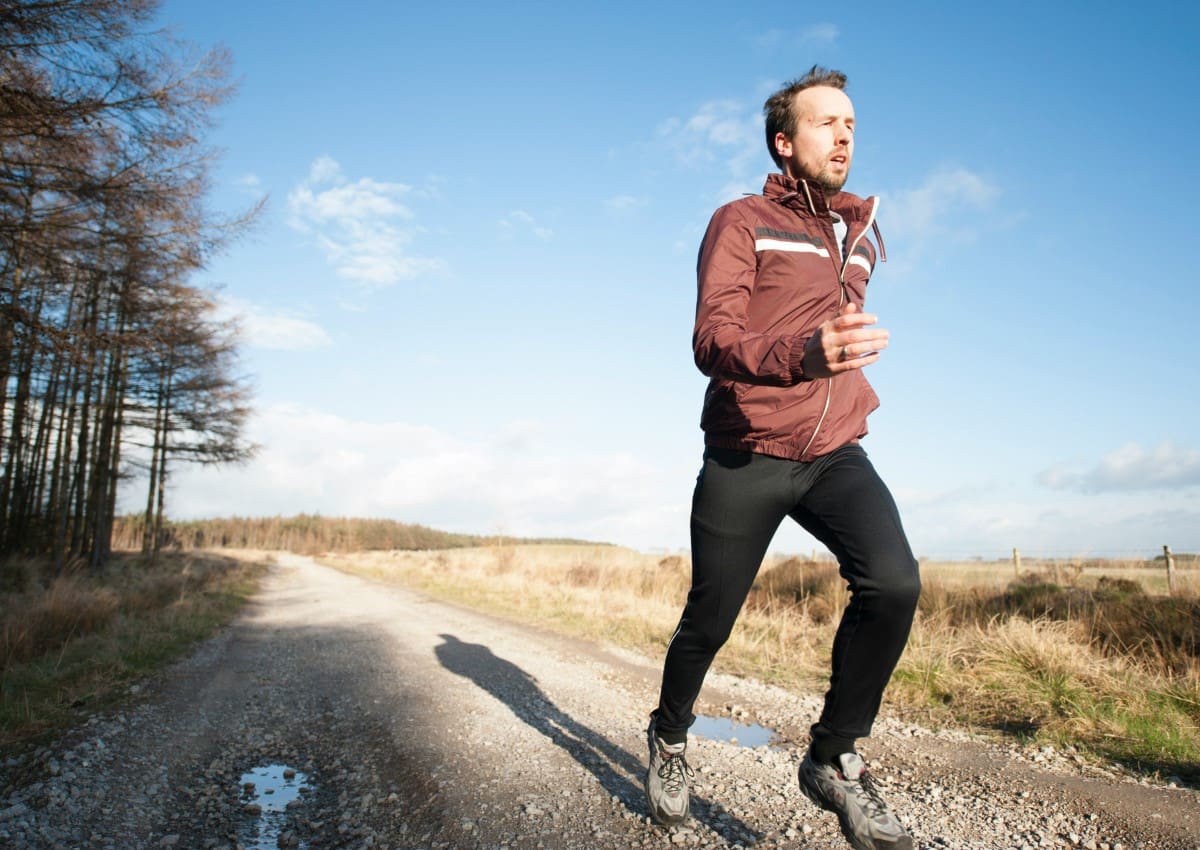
x,y
667,779
851,794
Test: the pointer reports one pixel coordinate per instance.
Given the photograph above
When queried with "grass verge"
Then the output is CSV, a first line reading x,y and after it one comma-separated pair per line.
x,y
74,643
1109,670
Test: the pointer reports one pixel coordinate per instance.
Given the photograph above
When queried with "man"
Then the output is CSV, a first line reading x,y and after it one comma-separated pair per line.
x,y
780,331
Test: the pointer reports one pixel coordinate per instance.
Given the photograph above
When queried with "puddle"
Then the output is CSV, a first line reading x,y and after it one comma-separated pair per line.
x,y
728,730
265,793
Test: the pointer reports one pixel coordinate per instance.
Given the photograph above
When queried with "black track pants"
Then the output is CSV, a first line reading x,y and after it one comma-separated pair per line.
x,y
739,502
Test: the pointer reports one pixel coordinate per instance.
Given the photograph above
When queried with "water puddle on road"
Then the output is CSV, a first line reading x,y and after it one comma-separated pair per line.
x,y
266,793
729,730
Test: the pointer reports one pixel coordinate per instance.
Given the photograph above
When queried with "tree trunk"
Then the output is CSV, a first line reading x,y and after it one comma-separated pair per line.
x,y
148,540
162,464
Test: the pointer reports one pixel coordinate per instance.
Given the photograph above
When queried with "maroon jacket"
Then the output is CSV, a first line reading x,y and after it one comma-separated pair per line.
x,y
769,273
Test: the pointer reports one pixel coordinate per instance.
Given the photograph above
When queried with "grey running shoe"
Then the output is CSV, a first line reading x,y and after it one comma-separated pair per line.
x,y
667,779
850,793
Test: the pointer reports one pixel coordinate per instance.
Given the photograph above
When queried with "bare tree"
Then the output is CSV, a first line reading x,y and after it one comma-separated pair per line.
x,y
197,403
103,178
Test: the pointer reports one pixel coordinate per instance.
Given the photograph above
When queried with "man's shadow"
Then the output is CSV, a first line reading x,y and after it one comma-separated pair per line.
x,y
601,757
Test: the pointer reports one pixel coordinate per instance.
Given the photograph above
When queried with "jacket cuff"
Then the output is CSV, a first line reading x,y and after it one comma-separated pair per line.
x,y
796,359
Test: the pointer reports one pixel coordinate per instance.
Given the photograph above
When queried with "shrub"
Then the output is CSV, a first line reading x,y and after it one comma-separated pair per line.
x,y
38,622
1162,633
583,575
815,585
1118,588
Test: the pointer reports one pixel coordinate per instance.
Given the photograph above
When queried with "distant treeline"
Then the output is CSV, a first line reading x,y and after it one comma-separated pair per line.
x,y
305,533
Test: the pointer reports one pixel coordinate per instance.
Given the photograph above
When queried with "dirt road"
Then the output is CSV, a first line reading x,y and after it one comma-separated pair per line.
x,y
392,721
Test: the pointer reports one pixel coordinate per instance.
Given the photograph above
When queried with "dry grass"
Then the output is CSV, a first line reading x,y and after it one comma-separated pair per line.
x,y
552,585
1080,572
77,640
1099,663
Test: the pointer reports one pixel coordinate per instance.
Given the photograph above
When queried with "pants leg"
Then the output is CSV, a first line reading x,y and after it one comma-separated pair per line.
x,y
739,501
849,509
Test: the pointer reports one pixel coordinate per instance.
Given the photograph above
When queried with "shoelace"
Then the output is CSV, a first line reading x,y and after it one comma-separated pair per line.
x,y
674,771
875,805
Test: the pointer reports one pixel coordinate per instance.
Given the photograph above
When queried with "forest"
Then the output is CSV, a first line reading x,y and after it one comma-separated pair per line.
x,y
114,363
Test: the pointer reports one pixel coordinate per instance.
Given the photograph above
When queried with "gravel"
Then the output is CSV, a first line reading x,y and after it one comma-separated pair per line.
x,y
399,722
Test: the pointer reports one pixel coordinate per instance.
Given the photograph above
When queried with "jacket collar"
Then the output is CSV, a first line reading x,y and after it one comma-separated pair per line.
x,y
808,196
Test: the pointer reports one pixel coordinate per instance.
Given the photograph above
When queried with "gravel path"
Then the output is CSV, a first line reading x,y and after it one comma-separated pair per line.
x,y
336,712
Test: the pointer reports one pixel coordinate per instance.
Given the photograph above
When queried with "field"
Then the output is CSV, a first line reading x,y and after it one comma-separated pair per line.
x,y
1088,654
1152,576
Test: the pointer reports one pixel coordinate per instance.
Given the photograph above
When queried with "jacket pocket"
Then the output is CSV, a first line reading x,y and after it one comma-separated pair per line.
x,y
722,406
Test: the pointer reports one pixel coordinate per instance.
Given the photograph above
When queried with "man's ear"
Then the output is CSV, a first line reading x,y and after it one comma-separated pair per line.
x,y
783,146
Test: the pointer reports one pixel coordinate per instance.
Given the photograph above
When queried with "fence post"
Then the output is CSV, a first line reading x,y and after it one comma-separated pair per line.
x,y
1016,562
1170,559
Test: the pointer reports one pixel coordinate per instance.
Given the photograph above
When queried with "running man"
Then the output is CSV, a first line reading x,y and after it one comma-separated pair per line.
x,y
781,333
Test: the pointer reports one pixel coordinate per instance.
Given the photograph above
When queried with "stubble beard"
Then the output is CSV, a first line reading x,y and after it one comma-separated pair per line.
x,y
830,182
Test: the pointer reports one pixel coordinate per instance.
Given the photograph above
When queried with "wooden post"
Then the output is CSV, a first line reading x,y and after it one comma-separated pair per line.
x,y
1016,562
1170,569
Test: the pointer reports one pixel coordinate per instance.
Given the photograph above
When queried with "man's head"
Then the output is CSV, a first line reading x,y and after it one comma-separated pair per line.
x,y
810,128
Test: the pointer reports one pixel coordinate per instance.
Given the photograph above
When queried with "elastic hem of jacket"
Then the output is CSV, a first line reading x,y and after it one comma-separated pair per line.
x,y
773,448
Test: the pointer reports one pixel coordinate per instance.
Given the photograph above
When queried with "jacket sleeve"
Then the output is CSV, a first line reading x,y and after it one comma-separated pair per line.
x,y
721,344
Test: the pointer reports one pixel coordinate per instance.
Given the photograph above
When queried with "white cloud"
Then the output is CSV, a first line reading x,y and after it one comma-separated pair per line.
x,y
934,210
324,169
718,122
736,189
362,226
822,34
949,208
250,184
261,328
525,480
519,219
352,306
315,461
1131,468
724,132
989,521
771,39
353,202
618,203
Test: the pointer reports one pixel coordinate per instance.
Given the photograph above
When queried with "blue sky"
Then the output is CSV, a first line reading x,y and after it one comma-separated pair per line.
x,y
469,301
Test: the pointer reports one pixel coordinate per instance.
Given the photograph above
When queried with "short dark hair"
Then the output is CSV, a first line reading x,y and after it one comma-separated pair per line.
x,y
780,108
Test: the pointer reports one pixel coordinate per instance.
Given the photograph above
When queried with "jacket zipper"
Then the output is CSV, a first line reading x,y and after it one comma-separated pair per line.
x,y
843,297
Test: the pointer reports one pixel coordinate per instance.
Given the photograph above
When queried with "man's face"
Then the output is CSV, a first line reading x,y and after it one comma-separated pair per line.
x,y
824,142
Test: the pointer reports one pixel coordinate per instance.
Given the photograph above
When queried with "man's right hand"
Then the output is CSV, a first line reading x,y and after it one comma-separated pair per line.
x,y
845,342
